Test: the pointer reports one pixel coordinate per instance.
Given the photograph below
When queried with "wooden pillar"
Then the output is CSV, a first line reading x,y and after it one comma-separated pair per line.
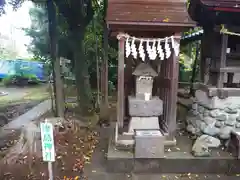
x,y
224,45
172,121
120,101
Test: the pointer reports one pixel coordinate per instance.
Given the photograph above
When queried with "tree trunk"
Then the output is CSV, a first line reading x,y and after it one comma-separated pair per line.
x,y
81,73
58,85
97,63
105,64
194,71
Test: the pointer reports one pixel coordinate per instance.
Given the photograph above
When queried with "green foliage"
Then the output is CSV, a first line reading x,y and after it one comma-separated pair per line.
x,y
38,32
17,79
93,36
8,80
32,78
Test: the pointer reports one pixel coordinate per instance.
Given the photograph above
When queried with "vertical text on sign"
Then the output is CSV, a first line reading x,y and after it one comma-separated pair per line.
x,y
48,151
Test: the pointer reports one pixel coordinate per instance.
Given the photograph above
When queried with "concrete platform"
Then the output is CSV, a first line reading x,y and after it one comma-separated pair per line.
x,y
177,159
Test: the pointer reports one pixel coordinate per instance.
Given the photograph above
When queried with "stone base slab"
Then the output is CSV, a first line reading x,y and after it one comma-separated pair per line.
x,y
175,162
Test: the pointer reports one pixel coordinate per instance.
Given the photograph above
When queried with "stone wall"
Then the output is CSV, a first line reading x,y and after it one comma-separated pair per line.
x,y
213,116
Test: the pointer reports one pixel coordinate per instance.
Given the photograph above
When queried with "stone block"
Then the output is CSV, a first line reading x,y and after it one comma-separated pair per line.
x,y
144,86
141,108
215,102
149,144
143,123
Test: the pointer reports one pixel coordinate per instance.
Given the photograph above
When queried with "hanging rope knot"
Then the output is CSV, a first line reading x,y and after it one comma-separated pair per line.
x,y
153,51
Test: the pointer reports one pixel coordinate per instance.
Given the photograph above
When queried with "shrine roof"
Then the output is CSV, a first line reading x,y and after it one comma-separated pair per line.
x,y
169,13
144,69
217,11
221,3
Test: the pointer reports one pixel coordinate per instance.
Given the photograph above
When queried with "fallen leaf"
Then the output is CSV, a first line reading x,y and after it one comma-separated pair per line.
x,y
59,157
166,20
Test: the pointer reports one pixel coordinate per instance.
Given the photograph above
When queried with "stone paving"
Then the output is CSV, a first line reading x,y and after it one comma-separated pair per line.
x,y
33,114
96,170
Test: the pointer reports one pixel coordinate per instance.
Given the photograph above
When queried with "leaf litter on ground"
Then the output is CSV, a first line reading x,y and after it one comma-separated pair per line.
x,y
74,149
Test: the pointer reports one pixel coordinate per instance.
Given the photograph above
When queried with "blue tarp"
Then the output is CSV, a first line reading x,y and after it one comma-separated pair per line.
x,y
11,67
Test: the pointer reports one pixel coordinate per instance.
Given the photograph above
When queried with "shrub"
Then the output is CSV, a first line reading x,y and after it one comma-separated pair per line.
x,y
32,79
21,79
9,80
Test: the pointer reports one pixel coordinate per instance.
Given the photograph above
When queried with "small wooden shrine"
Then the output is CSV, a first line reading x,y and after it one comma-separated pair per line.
x,y
148,33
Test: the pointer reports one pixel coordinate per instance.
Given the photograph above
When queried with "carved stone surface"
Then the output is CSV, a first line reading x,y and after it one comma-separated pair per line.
x,y
149,144
144,69
141,108
144,86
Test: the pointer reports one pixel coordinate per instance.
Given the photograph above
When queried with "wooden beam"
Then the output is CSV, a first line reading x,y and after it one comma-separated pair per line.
x,y
226,70
120,105
223,60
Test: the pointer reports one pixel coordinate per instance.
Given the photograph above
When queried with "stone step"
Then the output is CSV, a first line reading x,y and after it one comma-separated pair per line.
x,y
126,136
125,142
176,160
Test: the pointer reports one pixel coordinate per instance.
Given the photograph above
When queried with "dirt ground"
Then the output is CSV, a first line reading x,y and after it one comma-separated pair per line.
x,y
81,152
20,100
74,148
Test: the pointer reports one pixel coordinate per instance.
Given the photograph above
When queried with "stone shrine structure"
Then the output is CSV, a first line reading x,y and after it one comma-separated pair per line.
x,y
144,109
216,108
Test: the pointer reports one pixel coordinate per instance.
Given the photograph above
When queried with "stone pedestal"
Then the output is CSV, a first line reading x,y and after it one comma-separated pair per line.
x,y
143,123
144,114
149,144
138,107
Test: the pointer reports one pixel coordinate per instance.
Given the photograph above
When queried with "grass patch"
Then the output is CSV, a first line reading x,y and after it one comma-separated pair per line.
x,y
32,94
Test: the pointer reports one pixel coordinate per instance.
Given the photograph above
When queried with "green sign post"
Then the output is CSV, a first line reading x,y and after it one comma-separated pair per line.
x,y
48,150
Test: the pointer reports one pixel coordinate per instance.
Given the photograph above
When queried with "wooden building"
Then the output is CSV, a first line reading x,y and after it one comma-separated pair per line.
x,y
220,47
148,19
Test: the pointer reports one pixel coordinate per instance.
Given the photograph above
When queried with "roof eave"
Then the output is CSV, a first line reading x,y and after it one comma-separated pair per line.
x,y
169,24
